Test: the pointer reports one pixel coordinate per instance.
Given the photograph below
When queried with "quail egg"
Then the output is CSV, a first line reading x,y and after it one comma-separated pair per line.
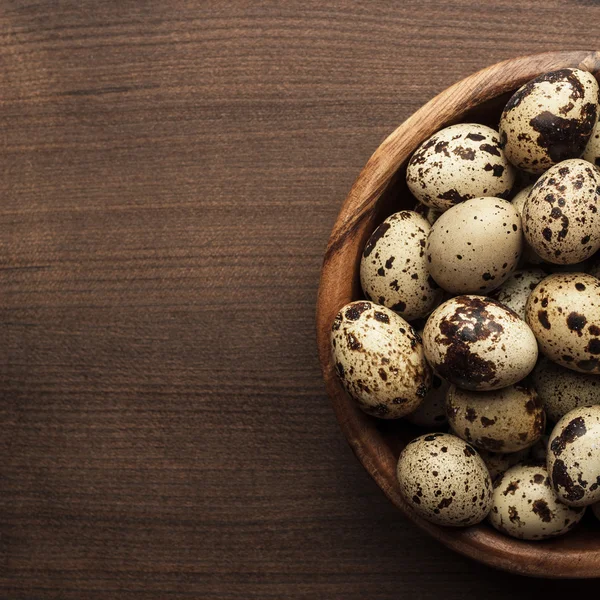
x,y
528,256
549,119
475,246
564,313
515,291
505,420
457,163
561,390
573,459
379,359
393,268
560,217
525,507
444,480
479,344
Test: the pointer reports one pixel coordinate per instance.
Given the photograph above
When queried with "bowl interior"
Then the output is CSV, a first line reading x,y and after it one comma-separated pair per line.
x,y
380,191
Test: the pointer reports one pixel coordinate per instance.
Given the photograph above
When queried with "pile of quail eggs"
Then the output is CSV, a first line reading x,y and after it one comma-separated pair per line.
x,y
481,317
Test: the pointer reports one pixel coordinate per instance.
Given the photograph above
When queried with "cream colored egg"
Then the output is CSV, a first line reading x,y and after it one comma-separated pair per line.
x,y
573,459
561,218
515,291
393,267
457,163
475,246
525,507
432,411
505,420
564,313
561,390
528,256
379,359
549,119
479,344
444,480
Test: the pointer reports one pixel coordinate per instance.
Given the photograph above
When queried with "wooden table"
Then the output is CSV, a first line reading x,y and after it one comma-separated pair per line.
x,y
170,174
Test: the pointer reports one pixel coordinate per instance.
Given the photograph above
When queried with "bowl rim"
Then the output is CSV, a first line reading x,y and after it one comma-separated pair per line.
x,y
352,226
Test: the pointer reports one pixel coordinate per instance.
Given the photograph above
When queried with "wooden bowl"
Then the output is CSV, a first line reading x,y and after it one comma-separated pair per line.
x,y
379,191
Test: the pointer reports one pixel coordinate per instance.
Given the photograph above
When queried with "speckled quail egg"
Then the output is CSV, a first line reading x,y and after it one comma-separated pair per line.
x,y
431,214
539,450
479,344
444,480
561,390
393,268
505,420
573,459
564,313
592,149
498,462
379,359
515,291
549,119
432,411
560,217
475,246
457,163
528,256
525,507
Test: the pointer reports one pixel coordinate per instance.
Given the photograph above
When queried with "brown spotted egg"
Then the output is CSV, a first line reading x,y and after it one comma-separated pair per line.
x,y
478,343
393,268
457,163
564,313
475,246
505,420
379,359
498,462
560,217
549,119
432,411
515,291
444,480
561,390
525,507
573,458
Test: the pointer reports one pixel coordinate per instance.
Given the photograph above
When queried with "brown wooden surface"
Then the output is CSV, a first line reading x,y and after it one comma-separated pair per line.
x,y
170,174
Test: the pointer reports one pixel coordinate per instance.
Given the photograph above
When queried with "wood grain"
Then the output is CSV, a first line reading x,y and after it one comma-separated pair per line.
x,y
170,175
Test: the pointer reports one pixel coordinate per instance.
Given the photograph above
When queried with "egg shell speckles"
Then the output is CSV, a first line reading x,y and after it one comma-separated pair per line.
x,y
549,119
457,163
379,359
564,313
515,291
475,246
525,507
573,459
505,420
393,267
561,390
432,411
477,343
528,256
498,462
444,480
560,217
